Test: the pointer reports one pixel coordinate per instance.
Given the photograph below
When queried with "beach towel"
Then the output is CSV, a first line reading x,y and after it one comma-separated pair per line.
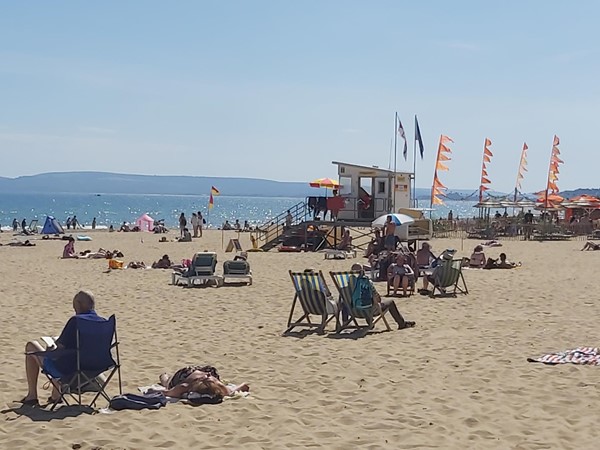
x,y
81,237
589,356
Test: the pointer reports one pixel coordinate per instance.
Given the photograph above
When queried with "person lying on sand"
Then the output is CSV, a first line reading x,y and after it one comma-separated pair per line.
x,y
88,254
21,244
136,265
162,263
200,379
589,245
500,263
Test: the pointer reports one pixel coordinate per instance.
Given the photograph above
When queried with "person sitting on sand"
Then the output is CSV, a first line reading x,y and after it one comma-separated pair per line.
x,y
84,306
125,227
589,245
500,263
386,304
69,249
187,236
162,263
199,379
477,260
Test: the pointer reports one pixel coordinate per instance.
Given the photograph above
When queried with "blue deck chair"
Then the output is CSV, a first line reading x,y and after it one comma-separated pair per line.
x,y
447,279
314,298
93,357
345,283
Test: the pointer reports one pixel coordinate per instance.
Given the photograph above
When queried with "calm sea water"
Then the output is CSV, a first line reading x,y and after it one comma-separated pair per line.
x,y
116,209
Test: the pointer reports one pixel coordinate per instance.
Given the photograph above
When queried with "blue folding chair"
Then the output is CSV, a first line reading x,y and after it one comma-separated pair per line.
x,y
93,356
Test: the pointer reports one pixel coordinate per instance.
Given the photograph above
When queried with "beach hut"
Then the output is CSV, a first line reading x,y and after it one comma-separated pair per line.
x,y
145,223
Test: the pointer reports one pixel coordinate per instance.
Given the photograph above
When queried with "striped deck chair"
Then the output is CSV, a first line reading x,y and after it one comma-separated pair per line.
x,y
314,298
345,283
447,279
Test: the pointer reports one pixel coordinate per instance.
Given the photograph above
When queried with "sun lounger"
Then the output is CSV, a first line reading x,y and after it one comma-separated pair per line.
x,y
200,272
237,271
339,254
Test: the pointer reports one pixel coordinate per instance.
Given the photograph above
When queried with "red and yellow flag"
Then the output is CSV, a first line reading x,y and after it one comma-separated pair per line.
x,y
437,188
487,158
214,191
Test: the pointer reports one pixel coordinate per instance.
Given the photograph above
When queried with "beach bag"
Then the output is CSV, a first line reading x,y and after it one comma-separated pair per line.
x,y
134,401
362,296
115,264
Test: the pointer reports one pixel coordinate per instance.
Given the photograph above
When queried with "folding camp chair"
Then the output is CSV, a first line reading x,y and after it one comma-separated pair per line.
x,y
202,269
33,226
345,282
238,271
446,279
314,298
93,358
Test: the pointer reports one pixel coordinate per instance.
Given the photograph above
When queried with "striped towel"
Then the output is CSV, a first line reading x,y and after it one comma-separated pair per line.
x,y
589,356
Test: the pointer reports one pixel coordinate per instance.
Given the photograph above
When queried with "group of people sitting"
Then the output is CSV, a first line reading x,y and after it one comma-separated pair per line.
x,y
69,252
401,268
478,260
183,383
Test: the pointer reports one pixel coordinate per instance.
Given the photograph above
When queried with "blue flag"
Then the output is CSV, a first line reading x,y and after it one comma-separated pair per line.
x,y
418,137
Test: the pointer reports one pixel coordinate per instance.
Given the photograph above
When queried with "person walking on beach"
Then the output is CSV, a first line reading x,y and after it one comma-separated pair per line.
x,y
15,225
94,223
389,231
74,222
24,225
182,224
201,223
68,223
194,221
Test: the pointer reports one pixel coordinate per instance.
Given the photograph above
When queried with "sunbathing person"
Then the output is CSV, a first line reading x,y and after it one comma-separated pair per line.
x,y
425,256
69,249
88,254
136,265
400,273
387,304
162,263
346,242
477,260
589,245
84,306
376,244
200,379
26,243
500,263
187,236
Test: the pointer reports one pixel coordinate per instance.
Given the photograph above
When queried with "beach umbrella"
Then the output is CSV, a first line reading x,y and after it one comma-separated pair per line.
x,y
398,219
326,183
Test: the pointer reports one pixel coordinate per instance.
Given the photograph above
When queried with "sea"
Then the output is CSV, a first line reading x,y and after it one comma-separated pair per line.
x,y
114,209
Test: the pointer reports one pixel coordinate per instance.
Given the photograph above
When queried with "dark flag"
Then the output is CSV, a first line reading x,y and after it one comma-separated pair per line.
x,y
403,136
418,137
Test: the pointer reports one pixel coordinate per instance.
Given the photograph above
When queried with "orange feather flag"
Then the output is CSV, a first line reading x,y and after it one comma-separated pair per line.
x,y
442,155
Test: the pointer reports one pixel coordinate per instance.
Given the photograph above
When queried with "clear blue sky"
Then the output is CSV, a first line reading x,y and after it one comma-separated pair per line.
x,y
278,89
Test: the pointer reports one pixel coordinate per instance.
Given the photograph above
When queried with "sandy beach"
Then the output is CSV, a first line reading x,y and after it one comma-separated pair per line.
x,y
459,379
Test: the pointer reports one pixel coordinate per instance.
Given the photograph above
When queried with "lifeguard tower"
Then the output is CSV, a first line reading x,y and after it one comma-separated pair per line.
x,y
370,191
365,193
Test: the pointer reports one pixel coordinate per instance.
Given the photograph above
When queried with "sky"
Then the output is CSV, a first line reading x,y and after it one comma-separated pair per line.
x,y
278,89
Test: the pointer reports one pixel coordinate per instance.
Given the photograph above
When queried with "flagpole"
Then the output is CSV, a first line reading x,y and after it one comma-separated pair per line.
x,y
393,186
548,180
415,203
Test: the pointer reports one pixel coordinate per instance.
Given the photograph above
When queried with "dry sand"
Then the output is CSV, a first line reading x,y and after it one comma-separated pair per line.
x,y
460,379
